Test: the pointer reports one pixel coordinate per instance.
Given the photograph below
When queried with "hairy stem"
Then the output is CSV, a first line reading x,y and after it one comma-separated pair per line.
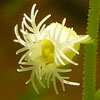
x,y
89,82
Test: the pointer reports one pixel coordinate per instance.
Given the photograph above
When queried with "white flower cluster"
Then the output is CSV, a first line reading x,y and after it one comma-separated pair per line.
x,y
48,50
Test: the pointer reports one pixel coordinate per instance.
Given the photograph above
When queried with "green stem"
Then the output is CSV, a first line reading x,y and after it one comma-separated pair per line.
x,y
89,82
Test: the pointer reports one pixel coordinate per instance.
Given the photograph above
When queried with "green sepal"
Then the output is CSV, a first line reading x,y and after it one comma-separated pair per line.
x,y
87,41
97,94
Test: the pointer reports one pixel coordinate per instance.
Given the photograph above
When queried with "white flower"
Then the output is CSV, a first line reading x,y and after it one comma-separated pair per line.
x,y
48,50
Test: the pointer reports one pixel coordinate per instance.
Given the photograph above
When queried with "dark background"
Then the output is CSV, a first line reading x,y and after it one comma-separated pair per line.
x,y
12,85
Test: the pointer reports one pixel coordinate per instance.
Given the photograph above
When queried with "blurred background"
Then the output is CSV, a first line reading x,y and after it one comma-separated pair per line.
x,y
12,85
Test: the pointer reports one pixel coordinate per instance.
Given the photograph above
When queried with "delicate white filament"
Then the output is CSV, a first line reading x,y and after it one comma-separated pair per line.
x,y
27,26
18,37
32,11
73,49
80,39
66,58
23,32
24,69
59,33
21,50
27,18
71,83
33,19
22,25
64,70
54,33
43,27
56,61
16,40
27,82
59,58
33,83
43,20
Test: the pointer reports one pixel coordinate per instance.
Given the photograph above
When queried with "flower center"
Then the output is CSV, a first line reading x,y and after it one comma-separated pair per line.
x,y
48,50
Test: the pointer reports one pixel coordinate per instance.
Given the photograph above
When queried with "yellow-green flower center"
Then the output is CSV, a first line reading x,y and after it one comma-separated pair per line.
x,y
48,50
